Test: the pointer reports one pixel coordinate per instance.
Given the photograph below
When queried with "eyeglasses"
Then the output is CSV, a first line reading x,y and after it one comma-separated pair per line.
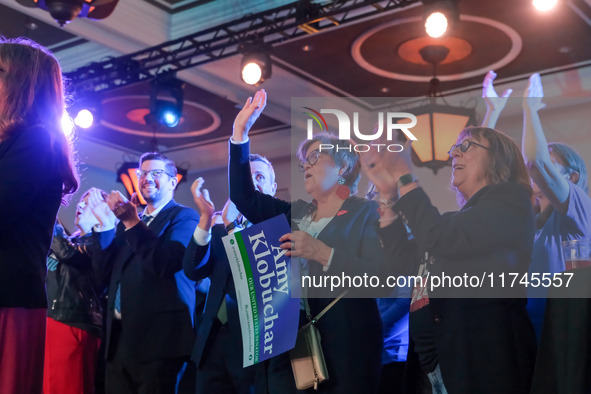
x,y
154,173
311,159
464,146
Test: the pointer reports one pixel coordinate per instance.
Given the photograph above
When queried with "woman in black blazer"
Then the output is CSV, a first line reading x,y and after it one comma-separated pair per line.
x,y
337,235
37,172
469,339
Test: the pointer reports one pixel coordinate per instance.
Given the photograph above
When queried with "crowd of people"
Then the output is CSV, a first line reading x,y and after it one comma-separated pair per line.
x,y
112,307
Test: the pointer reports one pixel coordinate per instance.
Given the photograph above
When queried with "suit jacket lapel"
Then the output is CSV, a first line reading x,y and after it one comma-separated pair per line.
x,y
337,222
156,226
158,222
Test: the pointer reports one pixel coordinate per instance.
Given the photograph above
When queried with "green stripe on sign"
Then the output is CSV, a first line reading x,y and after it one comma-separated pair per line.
x,y
252,293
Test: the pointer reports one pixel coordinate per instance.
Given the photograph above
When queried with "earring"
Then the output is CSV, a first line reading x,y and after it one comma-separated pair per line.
x,y
343,191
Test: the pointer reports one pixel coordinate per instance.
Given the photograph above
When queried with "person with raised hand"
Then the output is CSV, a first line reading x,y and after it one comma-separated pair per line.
x,y
560,188
456,334
75,318
218,348
333,234
559,178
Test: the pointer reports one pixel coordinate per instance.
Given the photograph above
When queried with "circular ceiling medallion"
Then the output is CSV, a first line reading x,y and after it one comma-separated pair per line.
x,y
494,46
126,115
458,49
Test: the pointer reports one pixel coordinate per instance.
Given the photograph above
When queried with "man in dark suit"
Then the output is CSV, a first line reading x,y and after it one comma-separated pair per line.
x,y
149,330
218,349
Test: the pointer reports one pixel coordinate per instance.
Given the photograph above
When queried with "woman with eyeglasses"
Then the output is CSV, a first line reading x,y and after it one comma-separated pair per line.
x,y
38,171
335,234
471,336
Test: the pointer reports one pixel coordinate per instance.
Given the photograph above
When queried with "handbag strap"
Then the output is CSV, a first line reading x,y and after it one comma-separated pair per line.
x,y
318,316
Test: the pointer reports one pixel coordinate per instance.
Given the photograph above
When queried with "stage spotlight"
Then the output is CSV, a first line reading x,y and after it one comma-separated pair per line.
x,y
84,119
64,11
544,5
255,67
165,110
439,16
168,114
86,111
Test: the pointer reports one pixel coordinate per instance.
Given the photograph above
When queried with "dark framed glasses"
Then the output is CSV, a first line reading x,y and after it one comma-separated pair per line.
x,y
154,173
464,146
311,159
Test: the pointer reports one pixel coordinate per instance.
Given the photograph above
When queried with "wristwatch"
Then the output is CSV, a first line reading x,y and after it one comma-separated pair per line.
x,y
232,226
405,180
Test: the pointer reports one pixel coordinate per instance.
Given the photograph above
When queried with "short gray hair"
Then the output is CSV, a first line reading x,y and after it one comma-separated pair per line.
x,y
343,153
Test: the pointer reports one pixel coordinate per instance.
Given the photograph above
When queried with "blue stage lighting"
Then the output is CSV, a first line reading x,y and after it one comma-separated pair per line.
x,y
170,118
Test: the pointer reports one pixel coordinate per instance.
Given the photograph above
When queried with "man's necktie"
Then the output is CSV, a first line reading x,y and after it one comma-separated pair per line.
x,y
117,306
223,312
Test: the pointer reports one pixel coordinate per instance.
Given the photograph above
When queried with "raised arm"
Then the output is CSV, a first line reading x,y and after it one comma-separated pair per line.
x,y
543,171
253,204
494,103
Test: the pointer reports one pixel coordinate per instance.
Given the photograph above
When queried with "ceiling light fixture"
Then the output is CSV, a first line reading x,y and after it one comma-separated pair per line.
x,y
438,123
166,102
86,111
255,67
439,16
65,11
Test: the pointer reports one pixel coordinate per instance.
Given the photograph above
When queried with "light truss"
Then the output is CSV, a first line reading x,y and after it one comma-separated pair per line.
x,y
270,27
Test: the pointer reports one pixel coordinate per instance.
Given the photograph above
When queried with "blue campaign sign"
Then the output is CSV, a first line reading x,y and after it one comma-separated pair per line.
x,y
269,316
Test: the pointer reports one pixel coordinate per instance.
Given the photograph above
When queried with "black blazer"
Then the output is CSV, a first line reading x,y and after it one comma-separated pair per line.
x,y
30,195
211,261
483,345
351,330
157,299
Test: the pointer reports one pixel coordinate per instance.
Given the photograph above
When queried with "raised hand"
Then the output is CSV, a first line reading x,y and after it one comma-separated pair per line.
x,y
385,168
534,94
248,115
493,101
203,202
101,210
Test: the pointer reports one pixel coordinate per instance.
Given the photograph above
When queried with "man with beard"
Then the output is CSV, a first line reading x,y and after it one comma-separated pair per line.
x,y
149,331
